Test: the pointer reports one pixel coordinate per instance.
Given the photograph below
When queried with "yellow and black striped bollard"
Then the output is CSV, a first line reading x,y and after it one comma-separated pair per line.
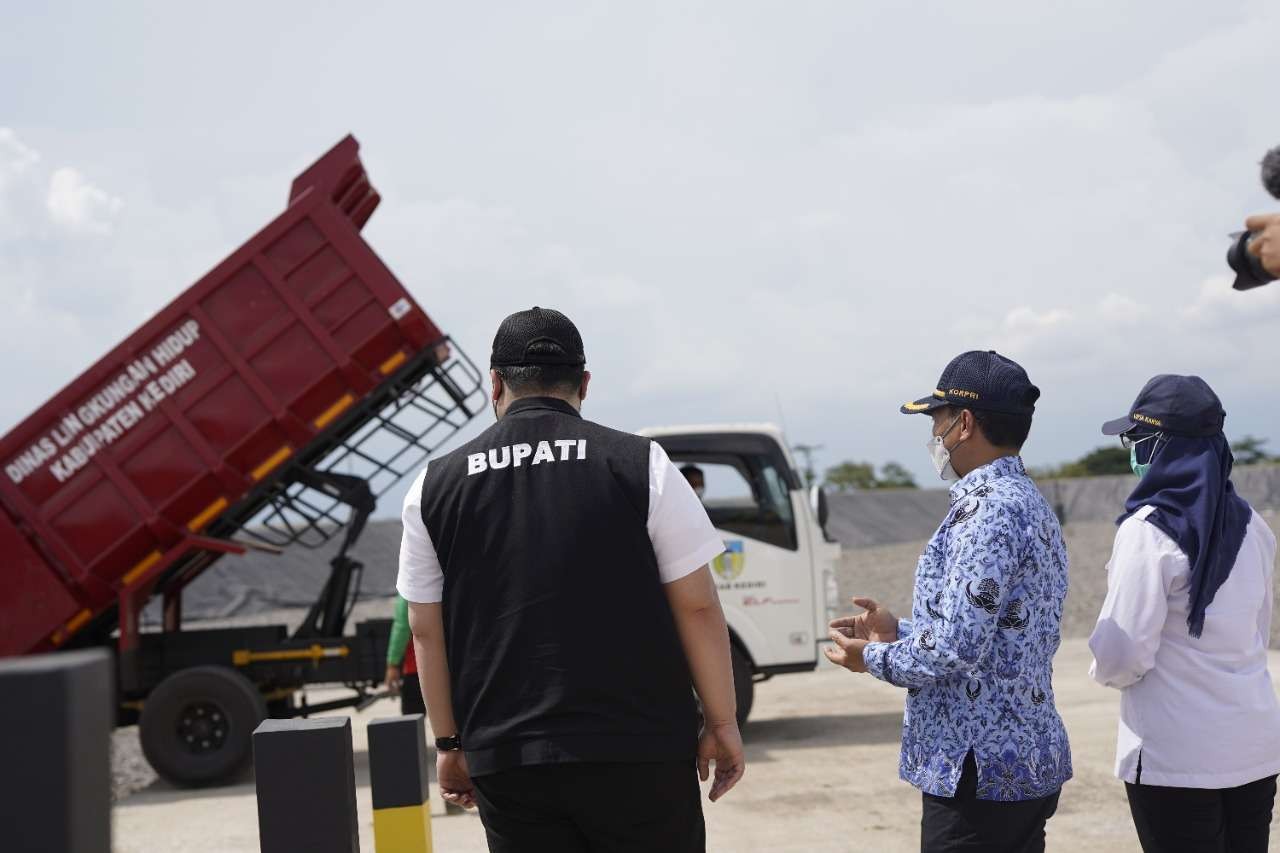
x,y
398,776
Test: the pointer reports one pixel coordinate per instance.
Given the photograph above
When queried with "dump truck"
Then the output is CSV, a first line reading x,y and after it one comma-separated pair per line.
x,y
267,406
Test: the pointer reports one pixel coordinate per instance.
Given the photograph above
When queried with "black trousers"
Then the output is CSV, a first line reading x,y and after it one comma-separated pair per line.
x,y
411,695
593,808
964,822
1199,820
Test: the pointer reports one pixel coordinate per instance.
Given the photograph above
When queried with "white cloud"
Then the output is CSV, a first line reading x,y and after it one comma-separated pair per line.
x,y
76,204
1023,319
1121,310
18,163
16,159
738,205
69,200
1213,331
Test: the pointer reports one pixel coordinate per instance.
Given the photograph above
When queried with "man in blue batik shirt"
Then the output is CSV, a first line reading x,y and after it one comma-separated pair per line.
x,y
981,737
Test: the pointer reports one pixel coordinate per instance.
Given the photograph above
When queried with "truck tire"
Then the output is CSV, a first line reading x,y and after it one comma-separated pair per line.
x,y
744,687
197,725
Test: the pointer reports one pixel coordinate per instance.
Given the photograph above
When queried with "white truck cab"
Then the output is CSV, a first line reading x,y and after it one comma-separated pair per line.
x,y
777,575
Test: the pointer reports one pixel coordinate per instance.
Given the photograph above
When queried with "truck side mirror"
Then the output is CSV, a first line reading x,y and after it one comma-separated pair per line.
x,y
818,502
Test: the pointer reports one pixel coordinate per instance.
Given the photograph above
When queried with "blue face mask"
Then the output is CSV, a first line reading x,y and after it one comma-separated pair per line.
x,y
1140,468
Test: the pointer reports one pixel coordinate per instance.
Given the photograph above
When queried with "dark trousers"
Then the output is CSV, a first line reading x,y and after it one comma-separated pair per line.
x,y
964,822
411,695
593,808
1199,820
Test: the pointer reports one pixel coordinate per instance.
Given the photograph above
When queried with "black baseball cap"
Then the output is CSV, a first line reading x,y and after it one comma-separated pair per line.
x,y
1177,405
514,345
982,380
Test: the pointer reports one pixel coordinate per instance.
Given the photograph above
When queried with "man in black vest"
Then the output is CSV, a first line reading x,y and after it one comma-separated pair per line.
x,y
562,610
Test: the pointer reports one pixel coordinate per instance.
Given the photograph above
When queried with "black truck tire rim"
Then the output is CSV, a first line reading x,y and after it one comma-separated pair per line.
x,y
203,727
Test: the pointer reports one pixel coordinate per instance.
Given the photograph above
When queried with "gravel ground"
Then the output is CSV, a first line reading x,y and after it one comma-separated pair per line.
x,y
822,757
887,573
129,768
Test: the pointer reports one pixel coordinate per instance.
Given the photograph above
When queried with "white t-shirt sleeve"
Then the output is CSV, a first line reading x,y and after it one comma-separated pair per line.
x,y
682,535
420,580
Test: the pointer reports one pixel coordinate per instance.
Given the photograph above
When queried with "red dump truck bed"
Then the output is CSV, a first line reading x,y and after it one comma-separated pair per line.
x,y
118,478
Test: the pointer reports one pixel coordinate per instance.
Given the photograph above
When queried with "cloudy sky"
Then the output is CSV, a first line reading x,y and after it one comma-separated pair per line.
x,y
754,211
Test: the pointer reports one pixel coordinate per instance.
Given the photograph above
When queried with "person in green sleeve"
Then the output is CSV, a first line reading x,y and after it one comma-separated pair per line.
x,y
402,665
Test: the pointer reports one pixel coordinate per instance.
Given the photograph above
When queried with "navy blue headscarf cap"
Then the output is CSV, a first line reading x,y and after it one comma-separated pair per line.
x,y
1189,484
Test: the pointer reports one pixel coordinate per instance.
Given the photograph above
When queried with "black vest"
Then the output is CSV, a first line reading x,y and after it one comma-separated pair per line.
x,y
561,643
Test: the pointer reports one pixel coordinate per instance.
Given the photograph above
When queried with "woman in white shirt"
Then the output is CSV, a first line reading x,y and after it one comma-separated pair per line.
x,y
1184,632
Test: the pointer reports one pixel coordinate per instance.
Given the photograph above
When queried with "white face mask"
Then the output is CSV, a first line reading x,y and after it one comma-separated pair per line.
x,y
941,456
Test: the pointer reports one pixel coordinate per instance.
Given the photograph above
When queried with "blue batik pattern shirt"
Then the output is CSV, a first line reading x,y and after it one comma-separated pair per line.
x,y
977,655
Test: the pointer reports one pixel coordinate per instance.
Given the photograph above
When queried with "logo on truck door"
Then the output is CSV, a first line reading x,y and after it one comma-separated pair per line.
x,y
730,564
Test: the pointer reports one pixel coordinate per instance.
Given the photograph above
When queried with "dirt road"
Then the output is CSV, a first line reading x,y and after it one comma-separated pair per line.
x,y
822,776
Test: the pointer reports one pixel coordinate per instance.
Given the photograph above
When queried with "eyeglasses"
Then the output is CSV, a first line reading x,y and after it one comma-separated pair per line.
x,y
1130,440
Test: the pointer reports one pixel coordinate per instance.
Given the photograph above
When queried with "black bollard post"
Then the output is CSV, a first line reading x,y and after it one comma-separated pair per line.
x,y
398,776
55,736
306,786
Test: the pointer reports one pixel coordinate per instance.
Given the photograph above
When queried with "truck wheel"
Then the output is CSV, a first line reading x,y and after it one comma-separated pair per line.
x,y
197,725
743,682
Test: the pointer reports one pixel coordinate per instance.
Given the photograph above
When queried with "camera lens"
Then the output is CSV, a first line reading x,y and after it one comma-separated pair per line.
x,y
1248,269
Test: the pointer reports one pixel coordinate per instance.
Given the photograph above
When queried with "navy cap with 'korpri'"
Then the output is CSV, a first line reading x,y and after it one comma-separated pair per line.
x,y
1176,405
982,380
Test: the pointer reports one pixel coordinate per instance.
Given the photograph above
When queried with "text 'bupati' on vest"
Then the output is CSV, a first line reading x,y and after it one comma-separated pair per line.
x,y
515,455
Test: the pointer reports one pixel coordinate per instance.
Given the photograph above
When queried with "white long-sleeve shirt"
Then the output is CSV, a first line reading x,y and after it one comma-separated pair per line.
x,y
1199,713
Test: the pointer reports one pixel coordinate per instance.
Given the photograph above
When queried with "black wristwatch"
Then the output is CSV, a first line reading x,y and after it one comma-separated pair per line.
x,y
448,744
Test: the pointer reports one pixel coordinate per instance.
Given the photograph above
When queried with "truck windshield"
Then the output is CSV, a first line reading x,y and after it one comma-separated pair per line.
x,y
745,495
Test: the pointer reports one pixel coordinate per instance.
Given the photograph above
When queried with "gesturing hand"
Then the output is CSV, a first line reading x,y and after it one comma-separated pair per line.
x,y
877,625
847,652
454,779
722,743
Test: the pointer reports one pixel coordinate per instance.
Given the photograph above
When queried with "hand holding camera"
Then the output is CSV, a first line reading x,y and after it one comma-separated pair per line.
x,y
1265,242
1255,254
